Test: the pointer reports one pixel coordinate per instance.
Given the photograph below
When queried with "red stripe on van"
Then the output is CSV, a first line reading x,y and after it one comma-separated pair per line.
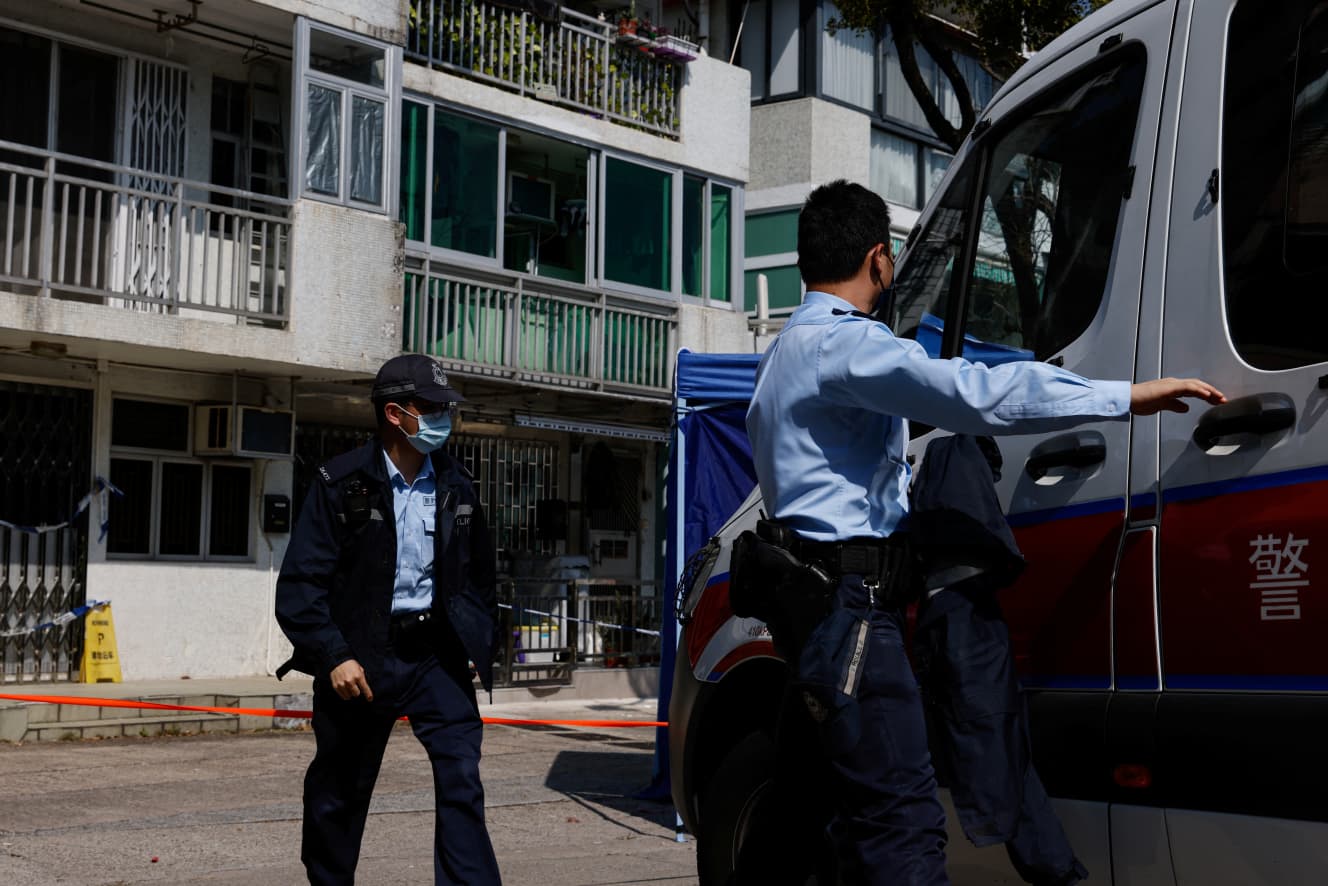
x,y
1136,629
712,610
1243,579
1059,610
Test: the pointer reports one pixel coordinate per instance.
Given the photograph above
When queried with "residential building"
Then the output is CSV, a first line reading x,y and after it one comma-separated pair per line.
x,y
221,216
828,106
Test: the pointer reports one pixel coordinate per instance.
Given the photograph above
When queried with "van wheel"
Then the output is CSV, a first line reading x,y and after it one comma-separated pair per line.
x,y
736,807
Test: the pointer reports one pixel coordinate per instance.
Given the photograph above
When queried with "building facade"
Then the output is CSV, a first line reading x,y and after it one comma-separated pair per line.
x,y
828,106
221,217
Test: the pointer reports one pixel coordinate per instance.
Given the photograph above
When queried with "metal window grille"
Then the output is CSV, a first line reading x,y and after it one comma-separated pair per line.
x,y
511,477
45,459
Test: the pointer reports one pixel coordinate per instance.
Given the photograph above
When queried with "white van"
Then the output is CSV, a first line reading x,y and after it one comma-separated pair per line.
x,y
1146,197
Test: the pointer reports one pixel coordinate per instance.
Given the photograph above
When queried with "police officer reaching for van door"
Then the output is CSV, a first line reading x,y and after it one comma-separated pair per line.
x,y
829,425
387,593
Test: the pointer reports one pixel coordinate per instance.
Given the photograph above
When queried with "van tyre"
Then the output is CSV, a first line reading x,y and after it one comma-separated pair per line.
x,y
735,807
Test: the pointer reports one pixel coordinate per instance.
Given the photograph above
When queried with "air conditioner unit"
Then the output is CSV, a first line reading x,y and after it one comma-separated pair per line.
x,y
529,197
261,433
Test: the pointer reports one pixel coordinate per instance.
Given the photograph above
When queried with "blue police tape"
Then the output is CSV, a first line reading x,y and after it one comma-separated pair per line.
x,y
584,621
61,619
100,485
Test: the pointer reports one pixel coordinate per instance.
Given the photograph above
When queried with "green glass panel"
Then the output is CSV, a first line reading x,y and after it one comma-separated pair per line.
x,y
721,241
772,233
637,224
465,185
693,227
785,286
414,167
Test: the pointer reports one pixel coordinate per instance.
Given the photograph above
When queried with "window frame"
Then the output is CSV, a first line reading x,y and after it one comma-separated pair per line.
x,y
443,253
802,40
675,225
596,195
389,96
159,457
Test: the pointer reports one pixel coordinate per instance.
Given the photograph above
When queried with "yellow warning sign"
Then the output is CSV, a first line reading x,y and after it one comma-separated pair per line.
x,y
101,659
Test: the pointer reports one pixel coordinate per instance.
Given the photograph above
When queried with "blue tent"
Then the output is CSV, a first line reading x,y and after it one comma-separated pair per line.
x,y
710,474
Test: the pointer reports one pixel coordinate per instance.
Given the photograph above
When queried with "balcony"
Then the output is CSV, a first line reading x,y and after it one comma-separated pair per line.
x,y
79,229
538,331
575,61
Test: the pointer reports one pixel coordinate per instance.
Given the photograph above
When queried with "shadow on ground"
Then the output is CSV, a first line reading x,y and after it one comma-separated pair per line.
x,y
609,778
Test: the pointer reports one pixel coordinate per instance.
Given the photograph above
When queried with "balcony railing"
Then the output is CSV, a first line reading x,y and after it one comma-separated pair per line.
x,y
79,229
574,61
513,326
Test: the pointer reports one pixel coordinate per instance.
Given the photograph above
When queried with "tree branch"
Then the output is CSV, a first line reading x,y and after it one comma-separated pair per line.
x,y
944,59
904,33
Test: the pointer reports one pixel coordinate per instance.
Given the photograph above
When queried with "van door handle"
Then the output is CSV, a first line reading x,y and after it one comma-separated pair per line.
x,y
1256,415
1083,449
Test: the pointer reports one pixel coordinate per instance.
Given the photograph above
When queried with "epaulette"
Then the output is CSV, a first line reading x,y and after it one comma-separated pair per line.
x,y
341,467
840,312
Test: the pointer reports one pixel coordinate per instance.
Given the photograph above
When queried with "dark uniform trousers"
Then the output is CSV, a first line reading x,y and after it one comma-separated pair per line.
x,y
879,795
351,737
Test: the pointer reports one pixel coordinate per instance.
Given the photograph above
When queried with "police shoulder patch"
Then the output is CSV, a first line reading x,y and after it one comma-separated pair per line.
x,y
341,467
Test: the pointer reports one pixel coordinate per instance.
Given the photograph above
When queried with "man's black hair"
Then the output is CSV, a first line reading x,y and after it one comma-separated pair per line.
x,y
839,224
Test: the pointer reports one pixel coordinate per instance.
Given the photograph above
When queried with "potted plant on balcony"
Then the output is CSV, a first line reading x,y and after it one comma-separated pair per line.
x,y
675,47
648,30
627,25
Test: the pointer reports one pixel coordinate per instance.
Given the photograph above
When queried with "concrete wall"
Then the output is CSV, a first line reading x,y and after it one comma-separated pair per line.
x,y
380,19
807,140
346,311
713,330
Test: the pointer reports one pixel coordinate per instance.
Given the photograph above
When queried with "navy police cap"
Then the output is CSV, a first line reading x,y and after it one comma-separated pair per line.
x,y
416,376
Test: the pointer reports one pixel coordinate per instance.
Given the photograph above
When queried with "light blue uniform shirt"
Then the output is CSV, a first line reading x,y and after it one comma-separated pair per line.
x,y
414,506
828,419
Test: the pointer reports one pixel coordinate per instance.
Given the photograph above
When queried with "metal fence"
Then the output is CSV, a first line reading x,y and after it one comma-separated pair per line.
x,y
574,60
549,628
77,228
565,335
45,462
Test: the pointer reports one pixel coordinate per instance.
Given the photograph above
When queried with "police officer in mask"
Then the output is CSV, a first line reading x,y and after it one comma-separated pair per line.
x,y
387,592
828,426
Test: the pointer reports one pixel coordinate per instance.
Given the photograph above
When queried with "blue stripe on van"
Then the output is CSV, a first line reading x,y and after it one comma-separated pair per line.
x,y
1250,683
1135,684
1143,501
1246,484
1318,473
1075,681
1083,509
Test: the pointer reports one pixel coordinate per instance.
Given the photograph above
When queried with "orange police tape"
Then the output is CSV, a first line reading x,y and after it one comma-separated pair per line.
x,y
271,712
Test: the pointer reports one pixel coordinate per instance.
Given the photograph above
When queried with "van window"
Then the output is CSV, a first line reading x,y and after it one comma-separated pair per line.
x,y
923,284
1274,182
1051,202
1052,193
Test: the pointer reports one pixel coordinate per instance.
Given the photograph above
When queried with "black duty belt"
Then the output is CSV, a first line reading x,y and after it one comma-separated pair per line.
x,y
408,625
859,556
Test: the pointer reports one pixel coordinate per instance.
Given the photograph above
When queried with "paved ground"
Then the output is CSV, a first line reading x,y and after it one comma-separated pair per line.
x,y
224,809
